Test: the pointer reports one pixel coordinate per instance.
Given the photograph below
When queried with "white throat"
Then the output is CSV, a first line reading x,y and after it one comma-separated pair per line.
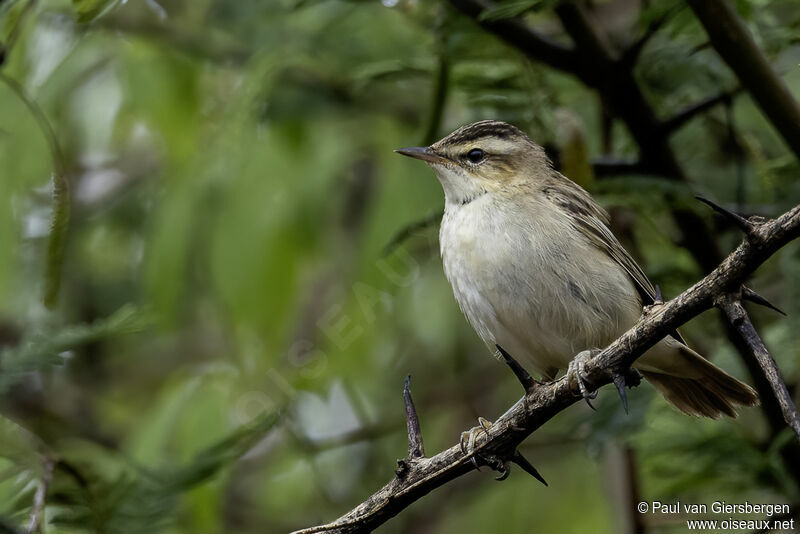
x,y
459,188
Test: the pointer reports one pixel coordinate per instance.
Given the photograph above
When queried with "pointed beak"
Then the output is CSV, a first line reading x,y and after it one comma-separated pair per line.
x,y
425,153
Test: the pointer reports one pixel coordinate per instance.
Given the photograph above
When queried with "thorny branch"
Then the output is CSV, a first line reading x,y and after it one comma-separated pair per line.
x,y
542,401
739,318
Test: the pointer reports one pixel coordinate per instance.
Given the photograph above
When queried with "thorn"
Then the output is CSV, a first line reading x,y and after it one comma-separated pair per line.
x,y
522,375
415,447
743,224
752,296
523,462
619,382
659,298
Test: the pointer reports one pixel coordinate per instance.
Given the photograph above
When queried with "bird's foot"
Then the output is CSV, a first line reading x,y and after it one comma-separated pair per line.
x,y
575,372
471,439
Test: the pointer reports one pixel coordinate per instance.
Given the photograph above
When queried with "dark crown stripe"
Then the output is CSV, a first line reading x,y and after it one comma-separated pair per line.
x,y
480,130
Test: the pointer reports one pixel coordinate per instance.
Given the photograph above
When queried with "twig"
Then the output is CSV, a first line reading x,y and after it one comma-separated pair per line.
x,y
683,116
740,320
59,221
631,55
40,498
409,230
546,400
415,447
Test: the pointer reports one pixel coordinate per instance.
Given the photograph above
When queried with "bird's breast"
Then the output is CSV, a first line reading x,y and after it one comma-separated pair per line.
x,y
524,277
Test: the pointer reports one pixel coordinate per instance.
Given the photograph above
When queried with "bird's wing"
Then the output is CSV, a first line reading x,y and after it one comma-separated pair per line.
x,y
592,221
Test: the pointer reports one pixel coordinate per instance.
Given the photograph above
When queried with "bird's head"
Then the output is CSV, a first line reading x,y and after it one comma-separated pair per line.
x,y
482,157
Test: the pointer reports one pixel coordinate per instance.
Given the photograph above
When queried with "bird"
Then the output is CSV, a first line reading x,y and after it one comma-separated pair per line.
x,y
538,273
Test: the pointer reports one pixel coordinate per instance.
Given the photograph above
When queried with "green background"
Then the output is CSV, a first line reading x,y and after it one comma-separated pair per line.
x,y
230,337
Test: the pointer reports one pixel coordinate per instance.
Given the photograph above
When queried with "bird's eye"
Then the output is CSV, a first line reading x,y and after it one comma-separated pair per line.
x,y
476,155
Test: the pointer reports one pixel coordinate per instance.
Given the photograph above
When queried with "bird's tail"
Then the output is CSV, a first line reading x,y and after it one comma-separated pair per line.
x,y
710,393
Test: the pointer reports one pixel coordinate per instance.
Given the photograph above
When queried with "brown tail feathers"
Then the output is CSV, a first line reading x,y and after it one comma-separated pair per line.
x,y
713,394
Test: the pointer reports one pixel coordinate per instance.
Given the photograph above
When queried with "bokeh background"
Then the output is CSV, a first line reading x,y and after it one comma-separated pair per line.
x,y
216,338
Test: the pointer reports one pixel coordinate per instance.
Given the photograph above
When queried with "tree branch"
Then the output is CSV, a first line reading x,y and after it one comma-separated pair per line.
x,y
683,116
733,42
544,401
521,37
740,320
631,55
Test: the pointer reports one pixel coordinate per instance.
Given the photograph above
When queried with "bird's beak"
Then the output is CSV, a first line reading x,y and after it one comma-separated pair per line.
x,y
425,153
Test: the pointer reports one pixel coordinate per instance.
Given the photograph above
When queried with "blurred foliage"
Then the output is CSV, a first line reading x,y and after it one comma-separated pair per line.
x,y
228,340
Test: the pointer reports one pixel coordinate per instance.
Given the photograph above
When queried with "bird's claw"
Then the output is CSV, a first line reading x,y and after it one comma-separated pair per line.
x,y
575,371
469,439
470,442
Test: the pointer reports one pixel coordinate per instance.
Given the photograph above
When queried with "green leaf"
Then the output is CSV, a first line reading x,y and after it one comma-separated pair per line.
x,y
88,10
124,498
44,349
20,447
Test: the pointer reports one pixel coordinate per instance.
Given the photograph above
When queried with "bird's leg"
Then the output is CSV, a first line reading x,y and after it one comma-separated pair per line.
x,y
575,371
470,439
